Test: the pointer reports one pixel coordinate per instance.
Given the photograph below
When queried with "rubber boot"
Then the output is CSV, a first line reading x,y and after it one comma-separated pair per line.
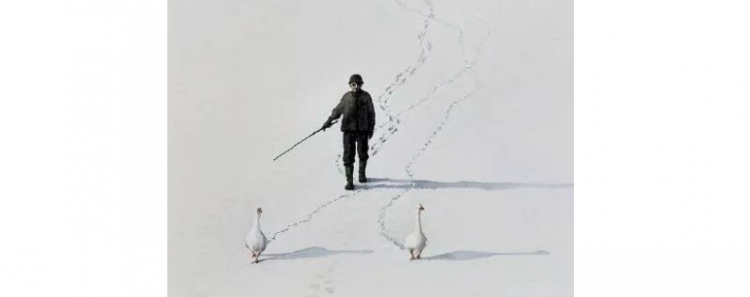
x,y
349,178
362,168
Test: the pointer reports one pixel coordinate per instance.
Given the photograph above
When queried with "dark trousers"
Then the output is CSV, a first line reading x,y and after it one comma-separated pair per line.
x,y
350,140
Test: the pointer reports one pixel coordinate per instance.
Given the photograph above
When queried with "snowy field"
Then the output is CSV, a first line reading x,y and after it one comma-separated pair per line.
x,y
474,103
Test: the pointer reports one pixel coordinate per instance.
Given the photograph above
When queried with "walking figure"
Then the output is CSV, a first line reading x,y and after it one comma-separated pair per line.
x,y
358,125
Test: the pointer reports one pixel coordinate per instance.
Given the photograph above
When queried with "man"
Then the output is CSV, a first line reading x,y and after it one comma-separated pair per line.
x,y
358,124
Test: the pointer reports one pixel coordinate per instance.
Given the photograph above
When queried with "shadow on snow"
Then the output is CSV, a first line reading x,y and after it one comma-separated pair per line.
x,y
313,252
475,255
388,183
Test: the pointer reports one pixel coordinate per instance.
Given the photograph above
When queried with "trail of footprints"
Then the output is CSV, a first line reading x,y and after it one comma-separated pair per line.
x,y
310,215
393,120
383,211
383,99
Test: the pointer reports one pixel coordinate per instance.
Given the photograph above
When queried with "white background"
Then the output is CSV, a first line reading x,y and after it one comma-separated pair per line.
x,y
249,78
661,117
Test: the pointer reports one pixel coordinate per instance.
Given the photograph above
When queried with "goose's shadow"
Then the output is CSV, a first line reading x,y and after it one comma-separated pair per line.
x,y
475,255
313,252
389,183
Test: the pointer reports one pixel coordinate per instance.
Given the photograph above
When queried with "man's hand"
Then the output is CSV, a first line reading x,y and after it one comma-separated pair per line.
x,y
369,134
326,125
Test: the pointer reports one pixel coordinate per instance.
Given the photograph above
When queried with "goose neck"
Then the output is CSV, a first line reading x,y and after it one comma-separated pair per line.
x,y
257,221
419,221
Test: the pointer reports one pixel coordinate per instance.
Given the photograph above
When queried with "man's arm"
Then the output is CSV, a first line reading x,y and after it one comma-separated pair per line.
x,y
335,114
370,116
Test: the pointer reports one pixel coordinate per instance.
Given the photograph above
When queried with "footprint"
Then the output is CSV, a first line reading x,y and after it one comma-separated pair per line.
x,y
324,281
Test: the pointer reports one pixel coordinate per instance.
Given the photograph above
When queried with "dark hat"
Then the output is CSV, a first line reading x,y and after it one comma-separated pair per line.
x,y
356,78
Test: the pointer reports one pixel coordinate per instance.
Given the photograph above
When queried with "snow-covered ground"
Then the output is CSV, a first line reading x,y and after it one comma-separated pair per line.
x,y
475,121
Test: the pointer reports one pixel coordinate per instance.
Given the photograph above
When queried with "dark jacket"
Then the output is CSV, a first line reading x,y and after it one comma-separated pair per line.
x,y
357,110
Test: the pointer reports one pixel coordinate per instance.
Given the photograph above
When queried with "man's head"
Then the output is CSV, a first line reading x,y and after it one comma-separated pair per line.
x,y
355,82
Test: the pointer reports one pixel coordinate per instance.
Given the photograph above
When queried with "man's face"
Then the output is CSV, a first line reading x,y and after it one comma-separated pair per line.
x,y
355,86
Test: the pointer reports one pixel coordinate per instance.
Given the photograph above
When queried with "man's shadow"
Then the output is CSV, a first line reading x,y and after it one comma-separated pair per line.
x,y
475,255
389,183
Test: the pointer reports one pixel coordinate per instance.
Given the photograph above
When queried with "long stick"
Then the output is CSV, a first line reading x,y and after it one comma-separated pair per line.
x,y
303,139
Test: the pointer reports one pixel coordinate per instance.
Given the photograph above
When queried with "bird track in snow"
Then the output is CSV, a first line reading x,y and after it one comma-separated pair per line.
x,y
383,100
310,215
394,121
383,211
401,78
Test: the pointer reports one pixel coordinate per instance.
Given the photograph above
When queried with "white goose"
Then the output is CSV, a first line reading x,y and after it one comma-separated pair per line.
x,y
416,241
256,240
